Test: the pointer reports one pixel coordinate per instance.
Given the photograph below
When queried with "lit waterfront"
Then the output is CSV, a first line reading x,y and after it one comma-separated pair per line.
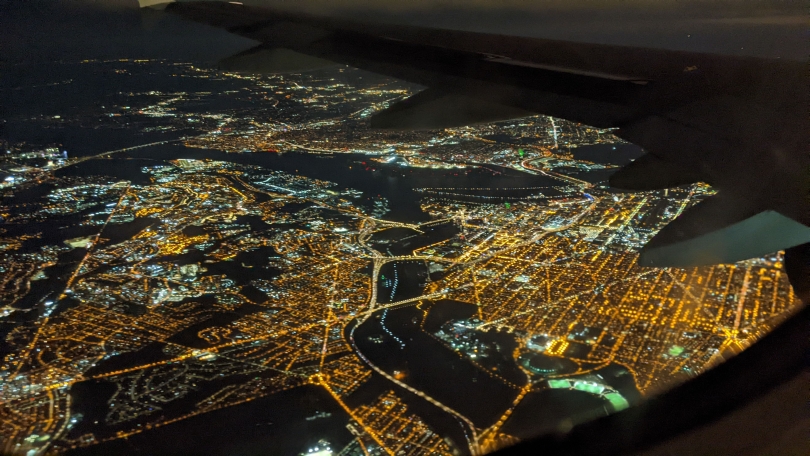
x,y
250,252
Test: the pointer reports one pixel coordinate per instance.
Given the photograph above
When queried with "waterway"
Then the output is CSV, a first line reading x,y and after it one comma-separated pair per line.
x,y
403,341
608,154
285,423
429,366
403,241
395,183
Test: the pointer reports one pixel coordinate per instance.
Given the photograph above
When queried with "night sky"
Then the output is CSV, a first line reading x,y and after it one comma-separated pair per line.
x,y
39,30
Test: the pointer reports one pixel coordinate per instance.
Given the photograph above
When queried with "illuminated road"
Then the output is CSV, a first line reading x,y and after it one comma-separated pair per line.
x,y
627,221
438,295
388,259
531,240
500,322
571,180
125,149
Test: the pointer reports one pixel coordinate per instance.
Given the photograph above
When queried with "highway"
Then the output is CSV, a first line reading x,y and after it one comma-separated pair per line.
x,y
571,180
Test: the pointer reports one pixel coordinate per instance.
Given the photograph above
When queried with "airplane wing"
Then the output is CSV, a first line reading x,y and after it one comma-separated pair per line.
x,y
739,124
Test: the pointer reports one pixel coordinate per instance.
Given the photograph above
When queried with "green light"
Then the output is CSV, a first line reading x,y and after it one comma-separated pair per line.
x,y
588,387
675,350
617,401
507,204
520,151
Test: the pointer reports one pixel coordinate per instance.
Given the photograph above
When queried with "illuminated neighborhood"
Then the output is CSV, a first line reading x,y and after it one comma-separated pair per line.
x,y
255,240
